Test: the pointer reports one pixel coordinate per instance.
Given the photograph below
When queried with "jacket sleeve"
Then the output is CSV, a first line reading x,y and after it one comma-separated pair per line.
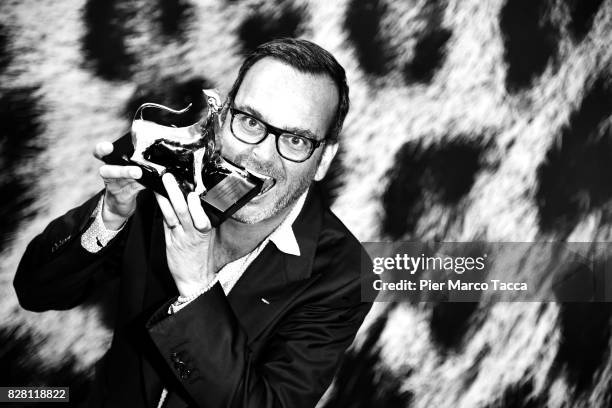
x,y
208,352
56,272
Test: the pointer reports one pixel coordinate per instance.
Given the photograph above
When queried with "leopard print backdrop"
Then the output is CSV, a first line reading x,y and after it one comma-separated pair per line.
x,y
470,120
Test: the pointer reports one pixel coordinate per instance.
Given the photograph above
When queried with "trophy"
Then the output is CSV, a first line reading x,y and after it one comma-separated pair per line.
x,y
190,153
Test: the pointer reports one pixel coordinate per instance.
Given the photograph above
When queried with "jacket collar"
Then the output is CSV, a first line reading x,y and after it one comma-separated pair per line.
x,y
306,228
283,236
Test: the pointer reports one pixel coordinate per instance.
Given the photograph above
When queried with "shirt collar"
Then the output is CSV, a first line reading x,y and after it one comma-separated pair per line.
x,y
283,236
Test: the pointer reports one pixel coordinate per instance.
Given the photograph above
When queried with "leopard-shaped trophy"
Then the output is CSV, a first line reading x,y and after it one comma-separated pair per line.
x,y
191,154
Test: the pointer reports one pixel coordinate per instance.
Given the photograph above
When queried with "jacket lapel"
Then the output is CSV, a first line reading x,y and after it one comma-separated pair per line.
x,y
272,280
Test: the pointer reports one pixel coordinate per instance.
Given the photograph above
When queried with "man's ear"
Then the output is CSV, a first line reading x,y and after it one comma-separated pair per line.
x,y
329,152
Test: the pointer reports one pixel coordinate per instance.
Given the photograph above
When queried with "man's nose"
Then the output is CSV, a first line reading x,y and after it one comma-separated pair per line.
x,y
266,149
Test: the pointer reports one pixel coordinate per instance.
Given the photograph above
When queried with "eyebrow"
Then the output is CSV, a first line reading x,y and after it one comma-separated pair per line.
x,y
295,130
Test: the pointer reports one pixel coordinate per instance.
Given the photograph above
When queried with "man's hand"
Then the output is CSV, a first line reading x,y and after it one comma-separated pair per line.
x,y
189,238
121,189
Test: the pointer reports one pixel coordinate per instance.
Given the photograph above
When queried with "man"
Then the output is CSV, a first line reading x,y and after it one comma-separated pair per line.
x,y
267,302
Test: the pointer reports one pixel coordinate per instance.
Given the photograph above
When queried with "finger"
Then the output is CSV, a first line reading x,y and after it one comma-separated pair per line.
x,y
170,220
177,200
168,232
120,172
122,187
198,216
102,149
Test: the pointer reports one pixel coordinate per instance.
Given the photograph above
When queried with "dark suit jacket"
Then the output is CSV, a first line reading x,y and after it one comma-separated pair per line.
x,y
234,351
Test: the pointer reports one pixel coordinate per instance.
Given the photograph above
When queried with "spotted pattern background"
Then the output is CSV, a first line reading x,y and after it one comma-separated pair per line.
x,y
470,120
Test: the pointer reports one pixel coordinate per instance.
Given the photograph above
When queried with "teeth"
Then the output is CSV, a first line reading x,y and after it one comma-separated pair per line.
x,y
268,184
263,176
268,181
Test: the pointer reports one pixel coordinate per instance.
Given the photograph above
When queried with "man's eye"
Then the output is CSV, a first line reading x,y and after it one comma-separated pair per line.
x,y
297,141
249,122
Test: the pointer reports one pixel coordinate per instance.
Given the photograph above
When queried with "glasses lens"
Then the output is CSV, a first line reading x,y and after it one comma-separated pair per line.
x,y
294,147
248,128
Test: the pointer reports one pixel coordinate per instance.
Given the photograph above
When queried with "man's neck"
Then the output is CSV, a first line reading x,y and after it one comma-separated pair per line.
x,y
239,239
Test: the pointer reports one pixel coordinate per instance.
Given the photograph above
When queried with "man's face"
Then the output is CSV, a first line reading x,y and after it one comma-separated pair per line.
x,y
290,100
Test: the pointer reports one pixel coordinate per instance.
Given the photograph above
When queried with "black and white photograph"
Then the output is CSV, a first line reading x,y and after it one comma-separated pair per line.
x,y
324,204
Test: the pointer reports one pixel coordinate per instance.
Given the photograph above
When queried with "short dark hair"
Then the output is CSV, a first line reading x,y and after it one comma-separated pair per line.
x,y
306,57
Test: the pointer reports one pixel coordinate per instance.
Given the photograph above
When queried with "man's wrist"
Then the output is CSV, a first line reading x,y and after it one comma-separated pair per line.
x,y
190,295
188,289
98,235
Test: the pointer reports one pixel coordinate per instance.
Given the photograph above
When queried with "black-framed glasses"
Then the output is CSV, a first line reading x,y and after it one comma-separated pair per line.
x,y
251,130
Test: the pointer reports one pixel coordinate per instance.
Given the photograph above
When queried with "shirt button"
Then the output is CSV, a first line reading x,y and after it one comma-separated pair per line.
x,y
184,373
